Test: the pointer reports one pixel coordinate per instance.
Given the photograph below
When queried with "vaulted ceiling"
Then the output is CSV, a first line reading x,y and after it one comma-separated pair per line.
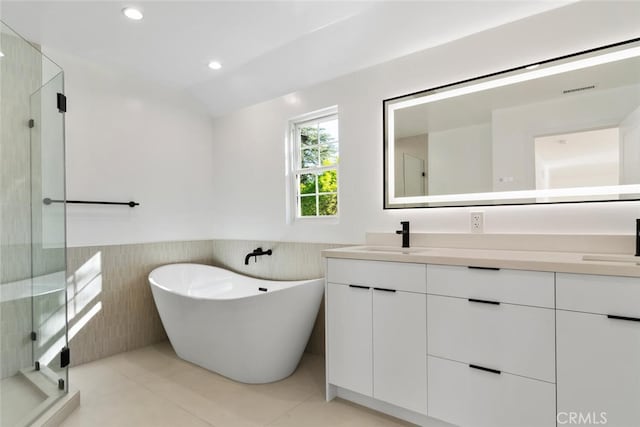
x,y
267,48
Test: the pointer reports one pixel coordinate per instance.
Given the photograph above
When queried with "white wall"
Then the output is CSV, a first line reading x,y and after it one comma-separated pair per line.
x,y
249,144
514,129
460,160
630,148
128,139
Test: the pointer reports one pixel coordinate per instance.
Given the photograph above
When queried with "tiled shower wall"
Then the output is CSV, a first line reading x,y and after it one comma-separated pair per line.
x,y
111,308
19,78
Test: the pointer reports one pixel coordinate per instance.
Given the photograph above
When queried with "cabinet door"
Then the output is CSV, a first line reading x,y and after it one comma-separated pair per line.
x,y
598,368
349,337
400,349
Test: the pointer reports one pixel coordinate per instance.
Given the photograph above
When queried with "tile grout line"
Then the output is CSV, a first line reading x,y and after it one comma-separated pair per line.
x,y
175,404
270,423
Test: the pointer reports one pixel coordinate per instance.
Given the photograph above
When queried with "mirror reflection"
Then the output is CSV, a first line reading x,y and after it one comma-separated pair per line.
x,y
560,131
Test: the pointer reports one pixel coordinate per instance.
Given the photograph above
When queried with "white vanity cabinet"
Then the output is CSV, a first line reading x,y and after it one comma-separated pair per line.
x,y
598,354
491,346
376,330
484,347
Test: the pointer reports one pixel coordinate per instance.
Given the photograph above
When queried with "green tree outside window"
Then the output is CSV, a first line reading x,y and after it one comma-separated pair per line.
x,y
317,179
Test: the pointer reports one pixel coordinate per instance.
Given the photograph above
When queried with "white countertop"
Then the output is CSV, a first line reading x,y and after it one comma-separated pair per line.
x,y
561,262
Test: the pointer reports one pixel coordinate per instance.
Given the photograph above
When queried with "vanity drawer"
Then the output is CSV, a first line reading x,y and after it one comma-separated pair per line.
x,y
512,338
465,396
535,288
612,295
388,275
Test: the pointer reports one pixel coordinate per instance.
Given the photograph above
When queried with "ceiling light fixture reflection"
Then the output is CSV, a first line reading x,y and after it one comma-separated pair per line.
x,y
524,194
132,13
532,67
1,54
215,65
522,77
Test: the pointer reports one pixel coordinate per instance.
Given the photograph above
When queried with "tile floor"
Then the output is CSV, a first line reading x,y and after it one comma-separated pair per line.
x,y
153,387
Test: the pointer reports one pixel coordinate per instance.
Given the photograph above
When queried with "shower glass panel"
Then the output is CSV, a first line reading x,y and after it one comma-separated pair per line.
x,y
33,299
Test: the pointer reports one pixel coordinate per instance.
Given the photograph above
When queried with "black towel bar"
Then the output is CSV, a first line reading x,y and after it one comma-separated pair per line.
x,y
48,201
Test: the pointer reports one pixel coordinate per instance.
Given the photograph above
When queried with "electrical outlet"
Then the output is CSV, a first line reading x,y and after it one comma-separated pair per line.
x,y
477,222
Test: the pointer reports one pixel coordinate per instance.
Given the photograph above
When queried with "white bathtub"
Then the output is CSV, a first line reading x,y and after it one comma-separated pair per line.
x,y
224,322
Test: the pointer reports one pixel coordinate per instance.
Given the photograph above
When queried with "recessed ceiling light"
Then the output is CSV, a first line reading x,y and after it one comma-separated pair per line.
x,y
132,13
292,99
215,65
533,67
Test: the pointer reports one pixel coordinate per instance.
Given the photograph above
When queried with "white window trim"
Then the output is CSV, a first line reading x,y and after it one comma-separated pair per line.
x,y
292,170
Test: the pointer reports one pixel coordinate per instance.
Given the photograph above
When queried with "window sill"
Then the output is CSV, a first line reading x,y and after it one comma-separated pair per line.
x,y
317,220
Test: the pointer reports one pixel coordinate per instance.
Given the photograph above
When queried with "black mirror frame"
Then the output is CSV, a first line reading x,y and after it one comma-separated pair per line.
x,y
385,145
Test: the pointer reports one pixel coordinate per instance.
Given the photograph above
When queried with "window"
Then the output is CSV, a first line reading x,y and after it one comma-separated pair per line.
x,y
315,164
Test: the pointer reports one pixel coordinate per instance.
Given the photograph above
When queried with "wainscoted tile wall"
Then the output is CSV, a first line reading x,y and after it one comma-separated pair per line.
x,y
111,307
290,261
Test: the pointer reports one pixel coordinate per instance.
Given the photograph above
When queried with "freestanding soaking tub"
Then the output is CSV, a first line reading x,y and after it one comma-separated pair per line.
x,y
250,330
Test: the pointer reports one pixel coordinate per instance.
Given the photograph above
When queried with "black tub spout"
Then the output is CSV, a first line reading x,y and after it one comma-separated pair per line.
x,y
256,253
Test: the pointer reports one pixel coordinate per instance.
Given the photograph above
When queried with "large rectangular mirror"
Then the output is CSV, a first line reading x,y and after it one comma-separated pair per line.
x,y
558,131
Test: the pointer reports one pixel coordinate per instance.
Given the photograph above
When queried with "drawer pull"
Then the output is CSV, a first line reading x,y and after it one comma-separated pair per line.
x,y
482,368
631,319
483,268
384,289
484,301
359,286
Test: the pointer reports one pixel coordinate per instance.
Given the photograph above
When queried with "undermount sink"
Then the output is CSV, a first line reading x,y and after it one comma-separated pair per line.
x,y
391,249
630,259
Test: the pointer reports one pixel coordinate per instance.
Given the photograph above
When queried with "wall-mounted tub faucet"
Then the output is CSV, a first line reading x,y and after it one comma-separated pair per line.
x,y
405,233
256,253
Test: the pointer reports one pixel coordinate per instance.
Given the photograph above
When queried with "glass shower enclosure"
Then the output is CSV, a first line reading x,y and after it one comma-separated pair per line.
x,y
33,299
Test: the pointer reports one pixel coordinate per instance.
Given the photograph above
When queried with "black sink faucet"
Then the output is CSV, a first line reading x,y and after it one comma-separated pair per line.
x,y
638,237
405,233
256,253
